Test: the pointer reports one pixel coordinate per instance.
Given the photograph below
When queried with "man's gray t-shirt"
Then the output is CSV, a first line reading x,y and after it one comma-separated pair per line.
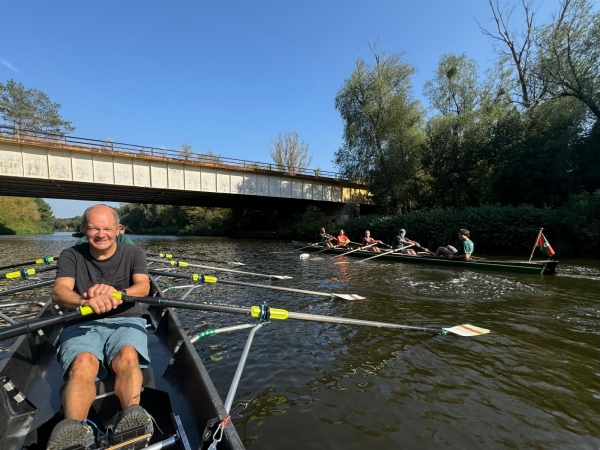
x,y
117,271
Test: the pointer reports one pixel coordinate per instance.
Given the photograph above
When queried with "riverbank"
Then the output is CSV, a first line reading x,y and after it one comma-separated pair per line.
x,y
21,215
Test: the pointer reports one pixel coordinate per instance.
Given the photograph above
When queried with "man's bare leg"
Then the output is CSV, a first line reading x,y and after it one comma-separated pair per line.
x,y
80,390
128,376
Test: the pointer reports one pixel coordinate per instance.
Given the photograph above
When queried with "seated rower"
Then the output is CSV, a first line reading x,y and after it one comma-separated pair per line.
x,y
368,240
325,239
342,239
464,251
402,243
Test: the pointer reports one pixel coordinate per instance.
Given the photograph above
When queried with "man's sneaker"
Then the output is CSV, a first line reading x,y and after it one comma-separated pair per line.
x,y
70,433
131,425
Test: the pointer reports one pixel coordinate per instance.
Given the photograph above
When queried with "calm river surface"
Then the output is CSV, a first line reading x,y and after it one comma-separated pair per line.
x,y
532,383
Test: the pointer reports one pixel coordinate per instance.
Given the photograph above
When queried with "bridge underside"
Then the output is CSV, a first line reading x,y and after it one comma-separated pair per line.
x,y
71,190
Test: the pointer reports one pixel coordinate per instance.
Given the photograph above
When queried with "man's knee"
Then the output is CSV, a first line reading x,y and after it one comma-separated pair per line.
x,y
125,358
84,367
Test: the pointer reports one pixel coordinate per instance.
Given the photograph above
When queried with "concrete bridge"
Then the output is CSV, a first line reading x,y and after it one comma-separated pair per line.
x,y
52,166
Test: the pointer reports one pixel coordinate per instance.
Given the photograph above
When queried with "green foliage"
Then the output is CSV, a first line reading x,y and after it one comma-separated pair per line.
x,y
69,224
382,131
306,226
167,219
21,215
30,109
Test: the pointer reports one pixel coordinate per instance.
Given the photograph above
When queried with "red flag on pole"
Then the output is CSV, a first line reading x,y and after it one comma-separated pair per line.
x,y
545,246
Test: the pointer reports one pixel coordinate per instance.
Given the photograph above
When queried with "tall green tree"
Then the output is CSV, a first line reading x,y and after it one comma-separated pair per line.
x,y
458,150
31,110
568,60
382,130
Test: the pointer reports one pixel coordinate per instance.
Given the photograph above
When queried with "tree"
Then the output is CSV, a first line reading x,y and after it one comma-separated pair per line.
x,y
569,54
458,151
517,49
290,155
186,151
382,130
31,110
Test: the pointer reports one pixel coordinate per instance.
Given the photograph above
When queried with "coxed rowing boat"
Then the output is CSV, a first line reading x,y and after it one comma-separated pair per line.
x,y
177,392
547,267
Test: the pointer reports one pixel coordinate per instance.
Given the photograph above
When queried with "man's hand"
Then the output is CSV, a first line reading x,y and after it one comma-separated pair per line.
x,y
99,299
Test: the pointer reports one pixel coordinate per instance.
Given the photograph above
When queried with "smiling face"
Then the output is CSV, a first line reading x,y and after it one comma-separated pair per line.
x,y
101,228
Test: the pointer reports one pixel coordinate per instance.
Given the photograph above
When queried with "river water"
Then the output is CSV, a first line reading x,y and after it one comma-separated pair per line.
x,y
532,383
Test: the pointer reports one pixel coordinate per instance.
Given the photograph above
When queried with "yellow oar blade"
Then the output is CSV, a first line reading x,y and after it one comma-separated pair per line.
x,y
466,330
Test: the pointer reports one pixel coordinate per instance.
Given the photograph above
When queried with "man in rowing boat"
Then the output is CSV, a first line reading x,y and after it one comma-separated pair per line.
x,y
114,339
325,238
464,251
368,240
401,242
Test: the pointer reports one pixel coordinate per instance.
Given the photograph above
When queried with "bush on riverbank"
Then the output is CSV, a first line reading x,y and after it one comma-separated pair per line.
x,y
572,228
21,215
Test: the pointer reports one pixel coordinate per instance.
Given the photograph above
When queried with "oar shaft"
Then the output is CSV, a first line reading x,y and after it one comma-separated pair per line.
x,y
347,321
33,325
169,256
184,264
275,288
352,251
275,313
44,260
26,287
241,283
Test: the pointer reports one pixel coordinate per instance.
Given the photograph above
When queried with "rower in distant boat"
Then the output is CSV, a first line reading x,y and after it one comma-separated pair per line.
x,y
401,241
114,340
326,239
368,240
342,239
464,251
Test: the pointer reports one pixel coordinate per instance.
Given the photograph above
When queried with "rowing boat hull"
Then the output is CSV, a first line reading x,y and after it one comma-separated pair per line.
x,y
176,385
533,268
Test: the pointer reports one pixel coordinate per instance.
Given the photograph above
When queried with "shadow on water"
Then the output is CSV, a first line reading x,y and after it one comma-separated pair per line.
x,y
531,383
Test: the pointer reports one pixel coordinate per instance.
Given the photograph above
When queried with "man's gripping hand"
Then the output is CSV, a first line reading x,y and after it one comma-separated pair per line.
x,y
99,299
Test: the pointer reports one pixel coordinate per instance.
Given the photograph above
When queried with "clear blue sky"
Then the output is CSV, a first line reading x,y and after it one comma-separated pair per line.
x,y
222,76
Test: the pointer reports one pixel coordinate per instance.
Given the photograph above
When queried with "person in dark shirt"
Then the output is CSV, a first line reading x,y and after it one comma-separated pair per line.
x,y
325,238
402,243
464,251
114,338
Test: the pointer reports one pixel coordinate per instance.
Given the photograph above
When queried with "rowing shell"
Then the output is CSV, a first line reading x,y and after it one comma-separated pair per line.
x,y
534,268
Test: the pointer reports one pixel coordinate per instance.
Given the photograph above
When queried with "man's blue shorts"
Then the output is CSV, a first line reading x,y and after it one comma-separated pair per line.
x,y
103,338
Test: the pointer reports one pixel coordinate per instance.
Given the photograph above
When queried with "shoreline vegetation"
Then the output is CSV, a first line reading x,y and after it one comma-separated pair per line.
x,y
572,228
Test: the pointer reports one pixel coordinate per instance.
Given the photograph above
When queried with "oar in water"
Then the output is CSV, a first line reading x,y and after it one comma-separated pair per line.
x,y
175,263
26,287
45,260
170,256
352,251
264,312
27,272
199,278
377,256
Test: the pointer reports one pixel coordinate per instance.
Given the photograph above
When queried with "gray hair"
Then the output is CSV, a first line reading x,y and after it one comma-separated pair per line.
x,y
85,217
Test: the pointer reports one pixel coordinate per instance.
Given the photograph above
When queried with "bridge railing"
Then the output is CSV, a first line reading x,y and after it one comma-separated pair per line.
x,y
109,146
